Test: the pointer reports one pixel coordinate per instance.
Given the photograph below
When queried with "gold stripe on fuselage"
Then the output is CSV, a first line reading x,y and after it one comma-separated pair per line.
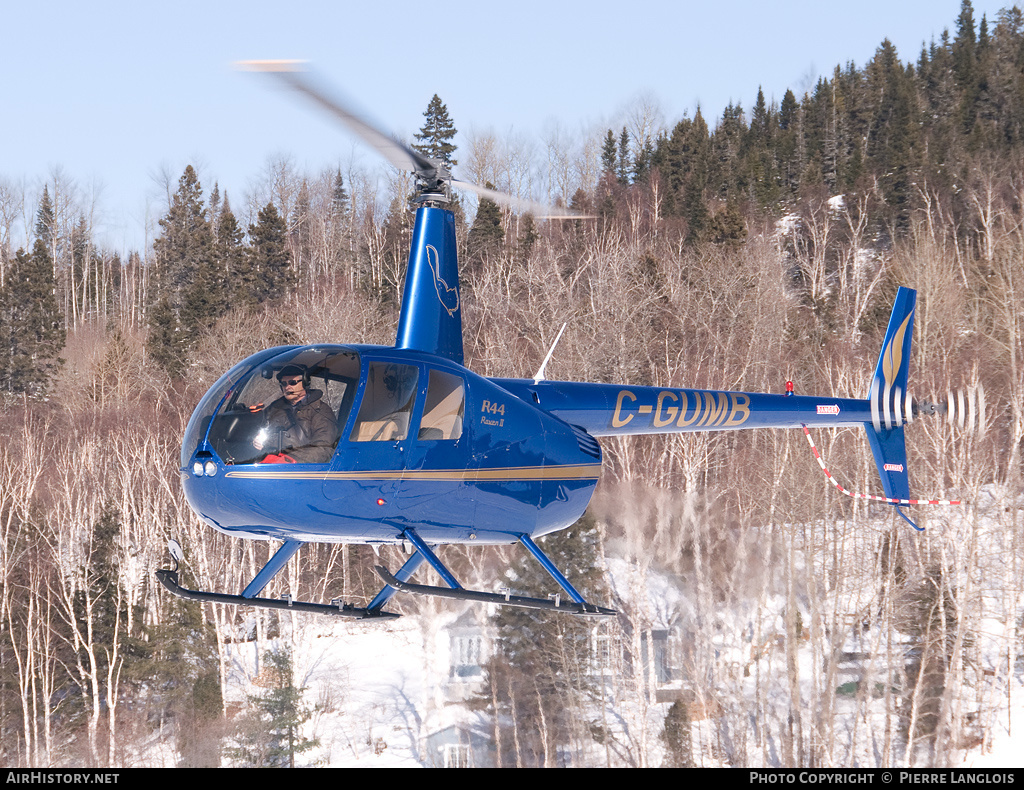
x,y
567,472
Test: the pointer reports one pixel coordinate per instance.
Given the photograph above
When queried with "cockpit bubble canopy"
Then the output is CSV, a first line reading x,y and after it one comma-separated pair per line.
x,y
235,419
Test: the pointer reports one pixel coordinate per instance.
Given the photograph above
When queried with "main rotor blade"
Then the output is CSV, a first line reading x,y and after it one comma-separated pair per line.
x,y
293,73
538,209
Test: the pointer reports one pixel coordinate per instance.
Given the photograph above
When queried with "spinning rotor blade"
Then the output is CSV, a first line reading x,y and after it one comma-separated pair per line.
x,y
539,210
293,73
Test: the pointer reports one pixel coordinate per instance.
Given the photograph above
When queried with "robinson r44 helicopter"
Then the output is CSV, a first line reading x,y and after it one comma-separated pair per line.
x,y
407,446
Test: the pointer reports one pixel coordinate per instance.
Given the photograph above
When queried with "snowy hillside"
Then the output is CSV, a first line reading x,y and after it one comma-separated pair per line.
x,y
835,693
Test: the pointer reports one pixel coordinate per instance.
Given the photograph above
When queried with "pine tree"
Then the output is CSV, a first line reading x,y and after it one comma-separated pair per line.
x,y
32,330
677,736
528,237
724,176
189,293
435,136
759,168
270,734
46,223
215,209
623,166
609,153
1007,79
339,196
233,259
684,158
271,258
965,66
642,161
695,207
894,145
787,147
486,235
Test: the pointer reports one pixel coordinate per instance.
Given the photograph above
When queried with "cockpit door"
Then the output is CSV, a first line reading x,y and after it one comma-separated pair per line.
x,y
438,457
371,459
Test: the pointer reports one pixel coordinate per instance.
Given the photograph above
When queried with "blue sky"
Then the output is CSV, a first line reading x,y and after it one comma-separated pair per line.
x,y
116,93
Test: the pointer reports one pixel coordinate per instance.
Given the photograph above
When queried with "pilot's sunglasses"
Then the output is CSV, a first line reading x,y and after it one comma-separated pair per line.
x,y
290,382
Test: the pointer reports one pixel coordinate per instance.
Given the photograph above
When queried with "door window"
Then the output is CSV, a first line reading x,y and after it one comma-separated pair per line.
x,y
444,408
388,398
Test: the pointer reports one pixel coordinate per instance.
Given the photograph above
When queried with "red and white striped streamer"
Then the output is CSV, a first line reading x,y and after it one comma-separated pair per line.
x,y
872,497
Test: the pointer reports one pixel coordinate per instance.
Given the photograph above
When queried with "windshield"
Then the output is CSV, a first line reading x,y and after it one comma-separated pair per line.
x,y
283,406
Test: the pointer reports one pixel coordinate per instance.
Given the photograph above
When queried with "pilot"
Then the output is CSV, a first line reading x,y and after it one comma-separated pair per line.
x,y
299,427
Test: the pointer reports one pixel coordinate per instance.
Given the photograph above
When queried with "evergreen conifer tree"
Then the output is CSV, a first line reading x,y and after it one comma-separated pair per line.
x,y
965,66
189,291
787,148
609,153
642,161
339,197
434,138
623,166
32,331
271,258
270,733
46,230
528,237
698,155
486,236
677,737
233,259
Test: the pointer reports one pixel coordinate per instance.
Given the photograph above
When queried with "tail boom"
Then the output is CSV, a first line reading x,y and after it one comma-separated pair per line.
x,y
611,410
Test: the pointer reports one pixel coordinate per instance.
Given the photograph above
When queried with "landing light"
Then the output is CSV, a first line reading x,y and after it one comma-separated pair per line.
x,y
200,468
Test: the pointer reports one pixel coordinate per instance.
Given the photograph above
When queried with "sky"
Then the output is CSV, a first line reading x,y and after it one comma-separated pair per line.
x,y
118,97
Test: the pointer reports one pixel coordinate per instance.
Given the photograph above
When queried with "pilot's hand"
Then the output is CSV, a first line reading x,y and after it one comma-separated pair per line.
x,y
260,439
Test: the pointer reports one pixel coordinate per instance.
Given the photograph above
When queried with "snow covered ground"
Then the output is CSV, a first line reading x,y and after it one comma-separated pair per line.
x,y
391,694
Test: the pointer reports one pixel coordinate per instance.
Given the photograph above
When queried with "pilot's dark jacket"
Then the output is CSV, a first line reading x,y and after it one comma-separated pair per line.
x,y
307,431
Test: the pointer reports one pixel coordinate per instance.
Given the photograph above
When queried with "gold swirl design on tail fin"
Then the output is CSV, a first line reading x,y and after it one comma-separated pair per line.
x,y
892,359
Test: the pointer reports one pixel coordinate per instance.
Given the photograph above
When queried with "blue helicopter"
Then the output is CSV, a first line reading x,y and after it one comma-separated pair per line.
x,y
404,445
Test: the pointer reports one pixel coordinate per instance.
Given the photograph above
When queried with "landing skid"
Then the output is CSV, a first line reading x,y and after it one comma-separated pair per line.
x,y
393,583
399,583
169,579
502,599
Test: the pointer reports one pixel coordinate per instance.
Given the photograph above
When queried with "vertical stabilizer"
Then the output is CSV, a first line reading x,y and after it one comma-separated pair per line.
x,y
431,318
890,404
888,394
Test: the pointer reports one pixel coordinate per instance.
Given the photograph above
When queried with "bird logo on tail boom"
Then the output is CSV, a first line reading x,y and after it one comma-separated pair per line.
x,y
448,295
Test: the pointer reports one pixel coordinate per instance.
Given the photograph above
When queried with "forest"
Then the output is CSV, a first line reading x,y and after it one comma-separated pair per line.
x,y
737,252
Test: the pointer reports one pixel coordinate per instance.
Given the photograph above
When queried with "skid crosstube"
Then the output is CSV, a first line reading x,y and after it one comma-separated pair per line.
x,y
575,603
460,594
169,579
